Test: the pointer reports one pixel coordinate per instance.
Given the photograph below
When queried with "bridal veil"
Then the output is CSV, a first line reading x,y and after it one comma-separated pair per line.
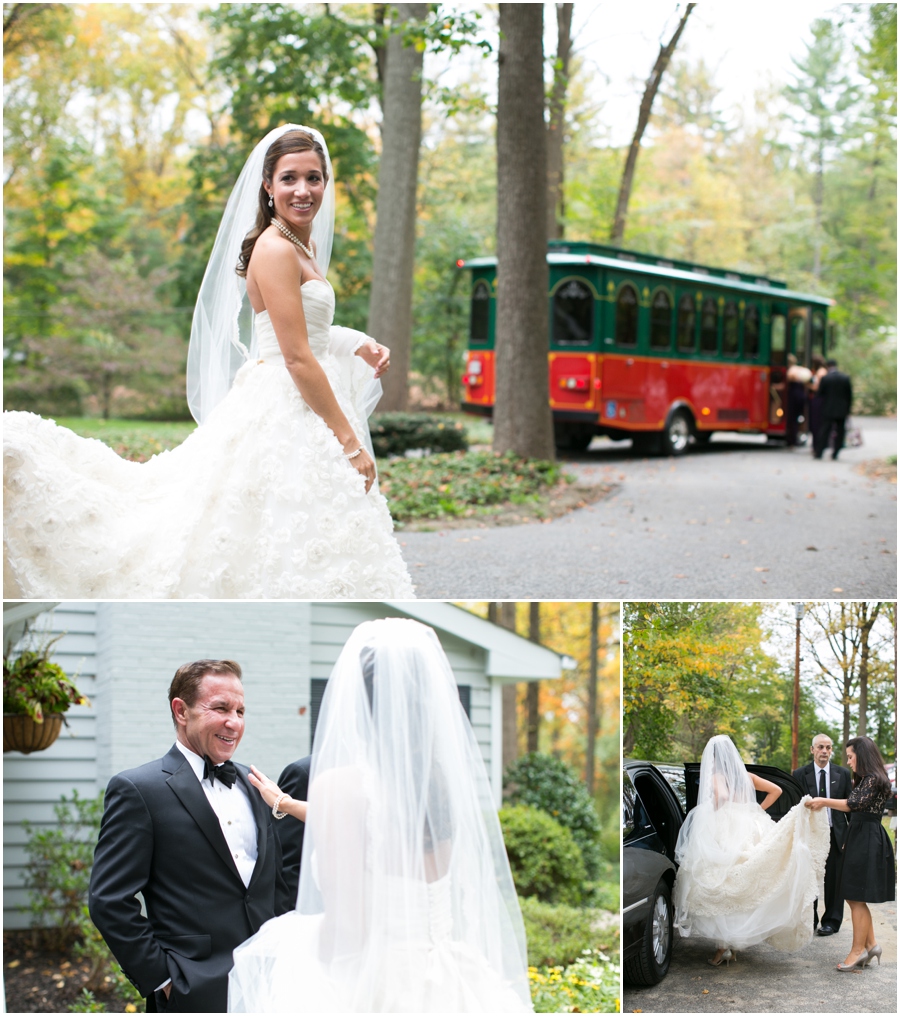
x,y
406,901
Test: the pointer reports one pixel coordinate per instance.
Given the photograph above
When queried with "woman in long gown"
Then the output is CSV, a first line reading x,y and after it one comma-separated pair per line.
x,y
868,873
406,902
274,494
743,878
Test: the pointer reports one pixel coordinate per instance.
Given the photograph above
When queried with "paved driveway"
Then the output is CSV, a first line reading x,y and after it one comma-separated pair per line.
x,y
763,980
737,519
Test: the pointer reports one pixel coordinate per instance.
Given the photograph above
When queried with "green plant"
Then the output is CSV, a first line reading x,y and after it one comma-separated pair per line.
x,y
397,433
104,969
59,868
32,685
544,858
557,934
590,984
87,1003
545,782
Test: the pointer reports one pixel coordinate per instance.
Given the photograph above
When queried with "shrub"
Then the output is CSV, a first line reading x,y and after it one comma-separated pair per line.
x,y
557,934
545,782
397,433
544,858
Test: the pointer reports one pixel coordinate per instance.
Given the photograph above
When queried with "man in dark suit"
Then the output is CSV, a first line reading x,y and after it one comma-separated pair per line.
x,y
195,839
294,781
836,395
821,778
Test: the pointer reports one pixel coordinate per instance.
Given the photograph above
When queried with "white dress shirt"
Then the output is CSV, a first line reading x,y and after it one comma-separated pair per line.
x,y
827,770
232,808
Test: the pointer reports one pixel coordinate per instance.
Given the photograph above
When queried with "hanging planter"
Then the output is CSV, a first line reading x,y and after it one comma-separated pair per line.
x,y
21,733
36,694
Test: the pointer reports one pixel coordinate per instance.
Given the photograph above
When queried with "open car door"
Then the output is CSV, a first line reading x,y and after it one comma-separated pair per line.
x,y
791,790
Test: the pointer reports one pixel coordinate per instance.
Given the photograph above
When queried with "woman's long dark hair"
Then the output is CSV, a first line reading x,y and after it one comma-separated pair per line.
x,y
292,141
869,761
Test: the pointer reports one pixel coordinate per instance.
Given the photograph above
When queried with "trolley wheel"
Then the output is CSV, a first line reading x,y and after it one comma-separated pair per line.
x,y
649,966
676,435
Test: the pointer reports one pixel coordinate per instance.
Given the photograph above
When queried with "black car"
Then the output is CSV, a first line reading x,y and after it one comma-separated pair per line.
x,y
656,797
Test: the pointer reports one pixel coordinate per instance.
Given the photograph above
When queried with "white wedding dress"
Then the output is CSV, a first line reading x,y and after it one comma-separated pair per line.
x,y
258,502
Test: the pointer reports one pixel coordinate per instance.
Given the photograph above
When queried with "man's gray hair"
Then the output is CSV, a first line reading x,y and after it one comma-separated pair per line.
x,y
813,741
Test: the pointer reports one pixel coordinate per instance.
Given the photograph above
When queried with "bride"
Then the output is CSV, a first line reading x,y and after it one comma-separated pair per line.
x,y
406,902
274,495
743,878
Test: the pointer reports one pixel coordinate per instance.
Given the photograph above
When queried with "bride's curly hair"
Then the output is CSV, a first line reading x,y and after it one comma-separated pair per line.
x,y
287,144
869,761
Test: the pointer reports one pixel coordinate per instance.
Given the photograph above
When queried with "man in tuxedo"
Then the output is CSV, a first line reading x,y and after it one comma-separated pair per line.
x,y
195,839
294,781
836,394
821,778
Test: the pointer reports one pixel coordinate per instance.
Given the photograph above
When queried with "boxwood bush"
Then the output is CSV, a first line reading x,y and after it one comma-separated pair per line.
x,y
557,934
544,858
397,433
545,782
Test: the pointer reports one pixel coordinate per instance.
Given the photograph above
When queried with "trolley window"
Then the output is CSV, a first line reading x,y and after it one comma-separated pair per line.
x,y
779,336
730,330
661,321
479,325
626,316
709,326
687,318
573,314
818,333
798,336
751,331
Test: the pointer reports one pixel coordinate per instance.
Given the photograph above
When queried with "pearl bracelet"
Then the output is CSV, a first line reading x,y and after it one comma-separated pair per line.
x,y
352,455
275,812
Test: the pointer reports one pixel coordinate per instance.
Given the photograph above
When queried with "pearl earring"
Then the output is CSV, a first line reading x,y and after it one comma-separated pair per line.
x,y
271,201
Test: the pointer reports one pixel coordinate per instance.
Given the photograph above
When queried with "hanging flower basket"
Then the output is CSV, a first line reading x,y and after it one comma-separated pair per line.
x,y
22,733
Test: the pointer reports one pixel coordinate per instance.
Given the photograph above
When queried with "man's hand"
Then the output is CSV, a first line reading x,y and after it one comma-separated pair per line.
x,y
376,356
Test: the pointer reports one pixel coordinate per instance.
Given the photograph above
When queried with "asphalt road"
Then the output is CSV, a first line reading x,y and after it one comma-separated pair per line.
x,y
765,981
737,519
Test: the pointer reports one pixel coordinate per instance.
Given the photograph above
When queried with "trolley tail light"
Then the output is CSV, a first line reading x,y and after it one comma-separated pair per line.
x,y
471,381
473,378
575,384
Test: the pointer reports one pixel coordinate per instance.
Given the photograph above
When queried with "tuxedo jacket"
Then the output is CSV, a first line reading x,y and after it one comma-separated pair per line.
x,y
836,393
161,838
841,785
294,781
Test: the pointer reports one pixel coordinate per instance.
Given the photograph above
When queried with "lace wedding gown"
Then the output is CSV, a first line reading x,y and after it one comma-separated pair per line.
x,y
259,501
745,879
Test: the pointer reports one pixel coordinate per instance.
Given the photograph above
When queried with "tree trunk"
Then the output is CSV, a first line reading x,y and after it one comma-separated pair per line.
x,y
532,697
390,302
556,128
592,699
652,87
866,623
504,614
522,421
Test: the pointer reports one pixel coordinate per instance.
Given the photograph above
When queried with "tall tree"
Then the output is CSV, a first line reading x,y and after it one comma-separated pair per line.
x,y
522,420
650,89
532,694
503,612
556,126
390,301
592,699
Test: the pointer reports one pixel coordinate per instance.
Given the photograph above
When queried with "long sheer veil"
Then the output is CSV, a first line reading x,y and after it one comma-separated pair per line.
x,y
222,328
404,879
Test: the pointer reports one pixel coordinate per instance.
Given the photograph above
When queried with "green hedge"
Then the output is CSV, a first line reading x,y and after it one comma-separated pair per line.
x,y
544,858
397,433
557,934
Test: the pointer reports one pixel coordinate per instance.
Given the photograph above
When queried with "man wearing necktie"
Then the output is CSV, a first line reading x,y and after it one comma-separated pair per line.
x,y
195,839
821,778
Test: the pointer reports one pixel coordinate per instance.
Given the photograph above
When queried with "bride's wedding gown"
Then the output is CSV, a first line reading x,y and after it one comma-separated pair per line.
x,y
259,501
745,879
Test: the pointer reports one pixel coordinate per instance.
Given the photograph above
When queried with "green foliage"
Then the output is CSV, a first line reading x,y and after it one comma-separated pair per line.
x,y
86,1002
132,440
396,433
33,685
590,984
558,934
59,867
462,483
543,856
542,781
104,969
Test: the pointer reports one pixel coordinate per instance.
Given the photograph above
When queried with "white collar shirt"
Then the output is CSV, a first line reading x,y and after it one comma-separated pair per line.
x,y
827,770
235,815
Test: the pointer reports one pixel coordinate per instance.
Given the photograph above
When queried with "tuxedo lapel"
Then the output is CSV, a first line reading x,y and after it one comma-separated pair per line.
x,y
186,787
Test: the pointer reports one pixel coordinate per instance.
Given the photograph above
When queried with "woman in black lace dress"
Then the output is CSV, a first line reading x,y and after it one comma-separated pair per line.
x,y
867,864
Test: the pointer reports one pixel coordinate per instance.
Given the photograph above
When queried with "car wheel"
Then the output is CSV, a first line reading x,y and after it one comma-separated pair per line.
x,y
676,435
649,966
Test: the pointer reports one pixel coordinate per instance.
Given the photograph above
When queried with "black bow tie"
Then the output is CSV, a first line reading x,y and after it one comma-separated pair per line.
x,y
226,772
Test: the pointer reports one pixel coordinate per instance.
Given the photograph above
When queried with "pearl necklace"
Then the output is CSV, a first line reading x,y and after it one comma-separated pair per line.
x,y
294,239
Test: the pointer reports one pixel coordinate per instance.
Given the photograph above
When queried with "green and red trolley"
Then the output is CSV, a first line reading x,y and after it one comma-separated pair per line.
x,y
654,349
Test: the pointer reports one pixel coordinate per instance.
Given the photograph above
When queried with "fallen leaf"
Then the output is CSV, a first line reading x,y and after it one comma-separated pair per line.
x,y
726,555
837,589
14,964
760,569
812,548
705,991
680,575
811,495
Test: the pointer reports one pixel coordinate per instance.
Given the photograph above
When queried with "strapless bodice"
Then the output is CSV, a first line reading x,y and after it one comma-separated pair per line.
x,y
318,309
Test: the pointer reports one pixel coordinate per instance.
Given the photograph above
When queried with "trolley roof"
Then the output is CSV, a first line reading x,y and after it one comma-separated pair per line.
x,y
600,256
